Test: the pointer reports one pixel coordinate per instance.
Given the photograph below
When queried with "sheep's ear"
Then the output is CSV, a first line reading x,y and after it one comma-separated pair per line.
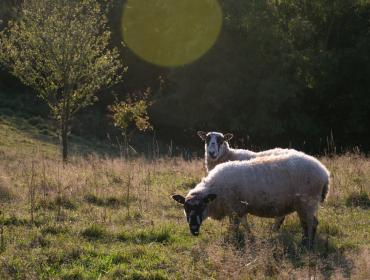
x,y
202,135
228,136
179,198
209,198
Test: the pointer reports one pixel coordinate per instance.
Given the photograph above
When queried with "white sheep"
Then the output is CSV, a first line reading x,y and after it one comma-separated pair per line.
x,y
217,150
270,186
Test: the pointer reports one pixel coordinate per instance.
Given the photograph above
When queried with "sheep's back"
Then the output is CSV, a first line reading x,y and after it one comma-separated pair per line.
x,y
269,185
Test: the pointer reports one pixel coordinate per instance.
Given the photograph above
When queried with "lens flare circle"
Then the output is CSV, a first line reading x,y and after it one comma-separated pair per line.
x,y
171,32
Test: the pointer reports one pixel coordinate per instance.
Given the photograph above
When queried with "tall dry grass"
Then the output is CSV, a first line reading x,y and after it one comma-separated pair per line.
x,y
112,218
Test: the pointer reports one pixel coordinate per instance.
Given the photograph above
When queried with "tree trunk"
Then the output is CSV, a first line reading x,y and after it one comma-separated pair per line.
x,y
64,140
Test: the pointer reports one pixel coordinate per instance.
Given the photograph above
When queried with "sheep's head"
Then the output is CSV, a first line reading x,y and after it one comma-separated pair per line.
x,y
215,143
195,209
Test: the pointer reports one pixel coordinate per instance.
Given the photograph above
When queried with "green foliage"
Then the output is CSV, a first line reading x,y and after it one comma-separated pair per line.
x,y
281,72
64,56
126,113
61,49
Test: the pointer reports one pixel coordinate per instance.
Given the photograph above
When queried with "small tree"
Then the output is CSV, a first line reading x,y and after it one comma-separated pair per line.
x,y
61,49
130,115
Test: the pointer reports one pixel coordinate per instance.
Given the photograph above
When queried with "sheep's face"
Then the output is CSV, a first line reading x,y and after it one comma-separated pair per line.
x,y
215,143
195,210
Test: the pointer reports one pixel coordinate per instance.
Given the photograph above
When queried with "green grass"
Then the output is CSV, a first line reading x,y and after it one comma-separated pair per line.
x,y
110,218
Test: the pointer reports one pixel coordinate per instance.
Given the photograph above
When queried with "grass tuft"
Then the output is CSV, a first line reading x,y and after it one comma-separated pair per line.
x,y
39,241
119,258
54,230
66,255
134,274
62,201
13,221
160,235
356,199
76,273
111,201
95,232
93,199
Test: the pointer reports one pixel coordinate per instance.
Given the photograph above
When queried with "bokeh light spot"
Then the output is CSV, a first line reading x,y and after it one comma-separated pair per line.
x,y
171,32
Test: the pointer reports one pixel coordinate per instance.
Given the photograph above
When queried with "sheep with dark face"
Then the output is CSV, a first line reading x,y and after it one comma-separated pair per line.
x,y
217,150
270,186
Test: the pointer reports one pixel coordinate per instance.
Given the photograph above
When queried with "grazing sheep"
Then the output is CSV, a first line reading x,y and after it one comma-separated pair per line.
x,y
217,150
270,186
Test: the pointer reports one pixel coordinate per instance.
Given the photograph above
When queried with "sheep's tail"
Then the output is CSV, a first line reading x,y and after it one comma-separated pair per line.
x,y
325,191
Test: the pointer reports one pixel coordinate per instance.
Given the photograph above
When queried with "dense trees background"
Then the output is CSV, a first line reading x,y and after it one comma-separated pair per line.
x,y
282,73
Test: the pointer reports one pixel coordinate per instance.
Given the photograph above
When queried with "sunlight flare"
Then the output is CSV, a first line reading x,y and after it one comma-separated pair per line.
x,y
171,33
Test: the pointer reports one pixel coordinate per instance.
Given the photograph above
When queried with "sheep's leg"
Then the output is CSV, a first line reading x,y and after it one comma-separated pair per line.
x,y
245,225
312,232
278,222
304,233
234,223
309,225
236,235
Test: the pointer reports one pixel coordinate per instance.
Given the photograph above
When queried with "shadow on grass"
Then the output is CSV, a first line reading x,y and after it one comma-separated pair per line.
x,y
57,202
356,199
325,257
13,221
95,232
111,201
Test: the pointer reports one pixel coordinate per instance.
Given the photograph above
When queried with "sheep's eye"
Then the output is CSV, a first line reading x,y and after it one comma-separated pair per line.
x,y
208,138
220,140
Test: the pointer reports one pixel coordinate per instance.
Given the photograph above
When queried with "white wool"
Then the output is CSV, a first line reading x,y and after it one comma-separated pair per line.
x,y
268,186
230,154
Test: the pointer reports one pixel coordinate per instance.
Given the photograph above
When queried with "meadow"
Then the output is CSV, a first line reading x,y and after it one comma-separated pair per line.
x,y
101,217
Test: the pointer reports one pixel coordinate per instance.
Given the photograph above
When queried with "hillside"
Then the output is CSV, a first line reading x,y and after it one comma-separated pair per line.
x,y
111,218
281,73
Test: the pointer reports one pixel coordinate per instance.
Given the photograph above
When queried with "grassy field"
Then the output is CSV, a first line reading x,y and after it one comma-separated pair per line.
x,y
111,218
